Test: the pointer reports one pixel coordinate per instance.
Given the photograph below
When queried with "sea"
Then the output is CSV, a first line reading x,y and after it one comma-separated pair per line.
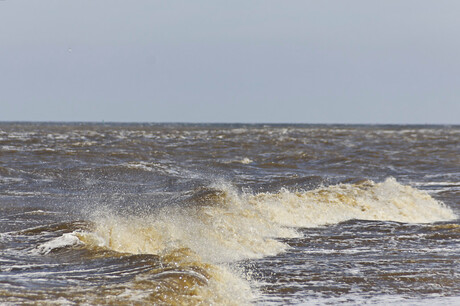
x,y
229,214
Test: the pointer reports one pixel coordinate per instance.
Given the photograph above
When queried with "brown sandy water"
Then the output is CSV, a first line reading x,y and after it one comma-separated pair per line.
x,y
229,214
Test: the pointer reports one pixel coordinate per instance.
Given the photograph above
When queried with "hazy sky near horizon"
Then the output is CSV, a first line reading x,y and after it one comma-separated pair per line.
x,y
355,61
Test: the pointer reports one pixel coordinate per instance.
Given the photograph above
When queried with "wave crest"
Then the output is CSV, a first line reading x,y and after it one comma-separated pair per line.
x,y
224,225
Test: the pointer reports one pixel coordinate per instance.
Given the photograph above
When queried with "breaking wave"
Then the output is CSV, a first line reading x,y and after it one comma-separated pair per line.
x,y
198,242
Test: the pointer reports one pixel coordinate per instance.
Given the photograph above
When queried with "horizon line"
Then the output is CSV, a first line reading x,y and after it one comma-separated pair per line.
x,y
219,123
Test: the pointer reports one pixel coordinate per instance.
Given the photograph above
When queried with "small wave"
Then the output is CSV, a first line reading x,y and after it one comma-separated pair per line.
x,y
32,212
11,179
244,161
25,193
153,167
438,187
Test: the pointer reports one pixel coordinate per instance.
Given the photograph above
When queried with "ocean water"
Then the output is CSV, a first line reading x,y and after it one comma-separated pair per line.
x,y
177,214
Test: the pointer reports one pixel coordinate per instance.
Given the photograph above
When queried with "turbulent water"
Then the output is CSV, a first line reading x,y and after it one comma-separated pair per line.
x,y
229,214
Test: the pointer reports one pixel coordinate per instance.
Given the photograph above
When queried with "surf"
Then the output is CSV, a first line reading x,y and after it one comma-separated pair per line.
x,y
199,241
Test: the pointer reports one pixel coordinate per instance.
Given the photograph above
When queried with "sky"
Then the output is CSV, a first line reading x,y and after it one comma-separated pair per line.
x,y
354,61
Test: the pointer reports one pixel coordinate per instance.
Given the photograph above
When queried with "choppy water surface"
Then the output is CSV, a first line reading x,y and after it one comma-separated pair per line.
x,y
229,214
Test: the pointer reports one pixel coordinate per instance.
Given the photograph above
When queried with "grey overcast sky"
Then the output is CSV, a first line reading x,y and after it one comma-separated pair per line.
x,y
354,61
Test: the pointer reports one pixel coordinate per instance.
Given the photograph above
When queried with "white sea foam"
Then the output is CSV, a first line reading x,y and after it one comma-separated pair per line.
x,y
246,161
387,201
66,240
